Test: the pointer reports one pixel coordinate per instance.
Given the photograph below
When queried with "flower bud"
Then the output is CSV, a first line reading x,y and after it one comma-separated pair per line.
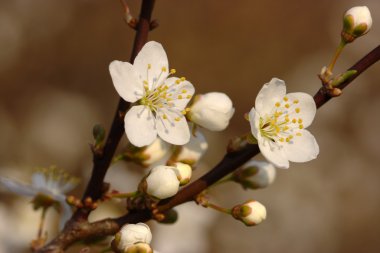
x,y
357,21
154,152
193,151
212,111
250,213
256,174
139,248
183,172
162,182
129,235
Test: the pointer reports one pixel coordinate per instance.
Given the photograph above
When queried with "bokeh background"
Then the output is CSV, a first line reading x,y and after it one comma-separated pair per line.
x,y
55,85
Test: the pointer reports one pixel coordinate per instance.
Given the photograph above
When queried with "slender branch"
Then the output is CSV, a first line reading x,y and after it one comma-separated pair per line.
x,y
77,227
103,161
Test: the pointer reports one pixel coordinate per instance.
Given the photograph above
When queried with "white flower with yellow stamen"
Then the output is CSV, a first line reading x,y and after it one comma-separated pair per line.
x,y
278,122
160,100
48,188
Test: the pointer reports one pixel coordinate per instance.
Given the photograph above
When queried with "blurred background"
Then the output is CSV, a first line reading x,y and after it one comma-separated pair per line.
x,y
55,86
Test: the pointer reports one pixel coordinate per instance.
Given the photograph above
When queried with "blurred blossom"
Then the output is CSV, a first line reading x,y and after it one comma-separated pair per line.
x,y
193,151
161,100
255,174
47,188
278,121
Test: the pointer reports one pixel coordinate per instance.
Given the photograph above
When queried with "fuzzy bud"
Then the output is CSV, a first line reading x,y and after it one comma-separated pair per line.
x,y
256,174
250,213
154,152
131,234
357,21
162,182
183,172
212,111
193,151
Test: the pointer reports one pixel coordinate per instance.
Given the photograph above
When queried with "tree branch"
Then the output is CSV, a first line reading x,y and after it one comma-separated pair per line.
x,y
102,162
77,227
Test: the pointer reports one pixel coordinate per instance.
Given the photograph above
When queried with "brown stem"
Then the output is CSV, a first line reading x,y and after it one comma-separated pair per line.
x,y
103,161
73,230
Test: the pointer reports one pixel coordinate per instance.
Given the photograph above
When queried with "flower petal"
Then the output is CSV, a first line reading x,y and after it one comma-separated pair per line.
x,y
254,119
154,56
274,155
139,126
269,94
182,92
304,109
302,148
18,188
174,129
126,81
39,180
66,210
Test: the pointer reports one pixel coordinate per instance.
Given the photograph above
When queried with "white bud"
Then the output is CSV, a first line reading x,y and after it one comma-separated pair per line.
x,y
162,182
183,172
130,234
155,152
264,175
250,213
357,21
192,151
212,111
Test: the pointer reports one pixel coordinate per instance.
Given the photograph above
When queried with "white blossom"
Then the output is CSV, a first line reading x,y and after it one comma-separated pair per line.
x,y
162,182
161,100
278,122
250,213
212,111
49,184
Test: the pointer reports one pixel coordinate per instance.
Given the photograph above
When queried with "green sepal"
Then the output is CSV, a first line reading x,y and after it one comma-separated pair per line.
x,y
348,23
99,134
343,77
360,30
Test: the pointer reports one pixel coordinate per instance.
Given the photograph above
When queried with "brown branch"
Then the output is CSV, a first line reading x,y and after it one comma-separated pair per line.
x,y
77,227
102,161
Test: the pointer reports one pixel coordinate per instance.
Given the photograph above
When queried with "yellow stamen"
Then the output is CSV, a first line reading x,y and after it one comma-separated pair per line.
x,y
286,99
298,110
172,71
277,104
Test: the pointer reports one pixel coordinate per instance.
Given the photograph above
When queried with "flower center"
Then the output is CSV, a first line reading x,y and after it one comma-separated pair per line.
x,y
158,95
279,126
